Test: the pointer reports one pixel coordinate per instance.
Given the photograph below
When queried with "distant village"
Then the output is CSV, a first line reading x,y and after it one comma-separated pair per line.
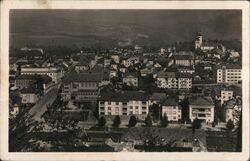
x,y
127,99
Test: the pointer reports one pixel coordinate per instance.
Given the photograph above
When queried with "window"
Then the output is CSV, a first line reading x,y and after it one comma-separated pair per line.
x,y
136,107
101,103
131,107
109,103
109,108
117,103
101,113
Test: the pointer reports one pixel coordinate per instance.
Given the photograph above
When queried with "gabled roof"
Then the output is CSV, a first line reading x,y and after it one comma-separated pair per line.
x,y
170,102
158,96
123,96
205,100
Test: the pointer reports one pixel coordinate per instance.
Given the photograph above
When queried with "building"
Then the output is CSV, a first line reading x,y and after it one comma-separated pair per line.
x,y
226,95
157,98
83,86
31,81
54,72
201,108
130,61
172,110
130,79
229,74
124,104
29,96
172,80
184,60
198,40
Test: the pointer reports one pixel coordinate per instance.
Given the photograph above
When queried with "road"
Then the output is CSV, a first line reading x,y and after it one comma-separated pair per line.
x,y
41,106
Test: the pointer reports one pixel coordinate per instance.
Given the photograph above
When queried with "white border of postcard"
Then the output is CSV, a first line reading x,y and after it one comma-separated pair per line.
x,y
6,5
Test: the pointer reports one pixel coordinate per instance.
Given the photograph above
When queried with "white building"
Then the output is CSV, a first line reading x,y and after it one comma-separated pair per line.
x,y
229,74
201,108
55,73
29,95
172,110
124,104
173,80
226,95
130,79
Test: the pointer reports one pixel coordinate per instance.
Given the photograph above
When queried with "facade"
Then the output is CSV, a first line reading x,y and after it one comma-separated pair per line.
x,y
130,79
55,73
201,108
29,96
124,104
229,74
83,86
30,81
183,60
172,80
226,95
172,110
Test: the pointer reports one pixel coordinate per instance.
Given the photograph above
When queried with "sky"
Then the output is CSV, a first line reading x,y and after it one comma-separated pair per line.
x,y
109,28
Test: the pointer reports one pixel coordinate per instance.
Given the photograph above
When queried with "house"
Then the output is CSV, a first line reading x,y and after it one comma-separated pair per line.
x,y
171,108
201,107
173,80
82,66
229,74
31,81
83,86
55,73
226,95
130,79
189,70
29,96
157,98
232,110
124,104
183,60
115,58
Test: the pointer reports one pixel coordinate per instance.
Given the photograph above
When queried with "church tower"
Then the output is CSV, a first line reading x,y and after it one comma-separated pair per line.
x,y
198,40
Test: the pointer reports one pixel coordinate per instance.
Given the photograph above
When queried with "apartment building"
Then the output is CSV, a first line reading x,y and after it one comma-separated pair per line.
x,y
124,104
229,74
201,108
172,80
83,86
130,79
54,72
172,110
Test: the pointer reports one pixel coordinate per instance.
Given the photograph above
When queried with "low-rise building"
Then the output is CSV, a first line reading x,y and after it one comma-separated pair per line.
x,y
83,86
54,72
184,60
232,109
29,96
124,104
201,108
172,110
172,80
130,79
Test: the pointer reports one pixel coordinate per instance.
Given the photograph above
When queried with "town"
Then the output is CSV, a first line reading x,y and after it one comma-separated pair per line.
x,y
184,97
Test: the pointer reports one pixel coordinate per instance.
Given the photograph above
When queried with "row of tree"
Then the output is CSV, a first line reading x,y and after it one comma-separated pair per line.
x,y
133,121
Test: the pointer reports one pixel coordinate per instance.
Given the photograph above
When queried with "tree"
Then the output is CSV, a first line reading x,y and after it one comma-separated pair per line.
x,y
101,122
230,125
164,121
148,121
132,121
185,109
196,124
117,121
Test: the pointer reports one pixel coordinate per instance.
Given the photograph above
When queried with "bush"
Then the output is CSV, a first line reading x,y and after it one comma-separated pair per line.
x,y
230,125
101,122
117,121
132,121
148,121
164,121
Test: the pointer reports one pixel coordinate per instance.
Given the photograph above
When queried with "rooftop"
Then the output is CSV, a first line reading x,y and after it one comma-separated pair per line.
x,y
123,96
205,100
83,77
170,102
